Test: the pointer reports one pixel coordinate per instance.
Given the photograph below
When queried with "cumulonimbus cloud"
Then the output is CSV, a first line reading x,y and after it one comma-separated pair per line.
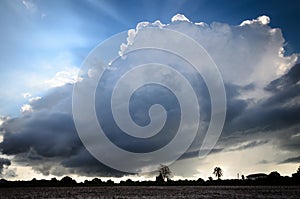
x,y
251,59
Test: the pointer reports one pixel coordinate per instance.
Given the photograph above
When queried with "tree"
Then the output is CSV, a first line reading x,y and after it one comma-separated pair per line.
x,y
218,172
96,181
159,178
164,173
110,182
67,180
243,177
200,180
54,180
297,174
274,175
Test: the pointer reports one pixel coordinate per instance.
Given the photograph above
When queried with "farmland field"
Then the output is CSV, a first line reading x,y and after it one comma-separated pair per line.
x,y
154,192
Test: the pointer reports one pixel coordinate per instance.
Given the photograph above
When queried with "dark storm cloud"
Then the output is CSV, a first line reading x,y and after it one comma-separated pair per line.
x,y
284,88
287,80
279,111
265,119
235,106
47,140
84,163
50,134
275,118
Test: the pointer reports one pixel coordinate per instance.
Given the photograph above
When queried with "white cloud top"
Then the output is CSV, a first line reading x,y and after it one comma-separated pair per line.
x,y
64,77
179,17
263,20
26,108
249,53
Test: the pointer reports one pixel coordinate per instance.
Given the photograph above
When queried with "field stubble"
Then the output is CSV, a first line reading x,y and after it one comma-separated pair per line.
x,y
223,192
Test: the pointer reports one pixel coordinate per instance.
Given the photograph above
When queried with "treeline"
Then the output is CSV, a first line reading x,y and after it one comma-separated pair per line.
x,y
163,179
68,181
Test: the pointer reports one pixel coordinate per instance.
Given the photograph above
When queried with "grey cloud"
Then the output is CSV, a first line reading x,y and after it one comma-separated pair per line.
x,y
274,120
84,163
48,133
285,88
284,82
291,160
193,154
264,119
57,99
47,141
3,162
249,145
235,106
279,111
263,162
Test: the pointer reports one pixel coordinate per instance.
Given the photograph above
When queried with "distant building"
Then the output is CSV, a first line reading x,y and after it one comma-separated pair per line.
x,y
257,176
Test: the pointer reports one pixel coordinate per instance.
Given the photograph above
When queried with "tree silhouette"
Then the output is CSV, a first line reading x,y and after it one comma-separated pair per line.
x,y
274,174
218,172
164,173
54,180
243,177
67,180
297,174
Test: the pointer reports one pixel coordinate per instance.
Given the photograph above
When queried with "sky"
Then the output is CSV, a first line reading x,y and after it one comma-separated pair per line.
x,y
44,44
